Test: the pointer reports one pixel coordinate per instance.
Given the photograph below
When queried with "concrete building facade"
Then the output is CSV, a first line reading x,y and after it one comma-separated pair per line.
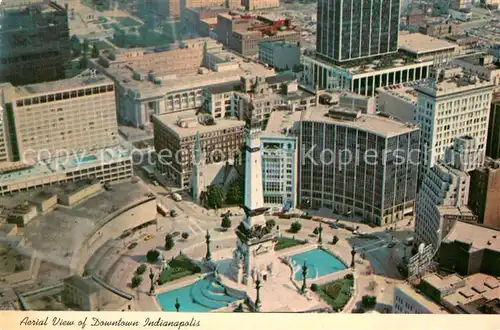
x,y
408,301
34,42
380,191
452,104
55,119
443,197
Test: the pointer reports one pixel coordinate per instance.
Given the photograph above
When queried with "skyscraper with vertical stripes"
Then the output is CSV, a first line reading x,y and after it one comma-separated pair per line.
x,y
355,29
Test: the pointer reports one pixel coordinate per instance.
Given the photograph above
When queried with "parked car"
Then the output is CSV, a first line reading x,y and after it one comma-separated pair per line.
x,y
334,226
155,183
173,213
149,237
391,244
132,245
176,197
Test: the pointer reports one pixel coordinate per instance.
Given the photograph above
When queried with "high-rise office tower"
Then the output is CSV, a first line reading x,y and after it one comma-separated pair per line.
x,y
354,29
34,42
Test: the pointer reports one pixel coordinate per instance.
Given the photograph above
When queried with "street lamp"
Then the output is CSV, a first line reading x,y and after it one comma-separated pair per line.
x,y
177,305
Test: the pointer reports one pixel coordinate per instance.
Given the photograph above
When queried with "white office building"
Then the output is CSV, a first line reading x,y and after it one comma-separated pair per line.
x,y
408,301
450,105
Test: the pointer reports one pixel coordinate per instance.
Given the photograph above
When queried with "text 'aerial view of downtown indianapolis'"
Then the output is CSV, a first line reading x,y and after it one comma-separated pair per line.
x,y
296,156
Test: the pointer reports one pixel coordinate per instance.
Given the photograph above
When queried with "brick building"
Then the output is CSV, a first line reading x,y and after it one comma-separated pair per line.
x,y
484,193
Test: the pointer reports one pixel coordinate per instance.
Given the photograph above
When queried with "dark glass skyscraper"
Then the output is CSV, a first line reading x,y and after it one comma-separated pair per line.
x,y
355,29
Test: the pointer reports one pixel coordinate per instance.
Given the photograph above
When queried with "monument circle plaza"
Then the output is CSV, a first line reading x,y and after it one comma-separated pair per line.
x,y
254,273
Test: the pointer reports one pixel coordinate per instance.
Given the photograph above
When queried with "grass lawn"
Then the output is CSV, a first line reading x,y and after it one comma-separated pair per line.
x,y
336,293
179,267
285,243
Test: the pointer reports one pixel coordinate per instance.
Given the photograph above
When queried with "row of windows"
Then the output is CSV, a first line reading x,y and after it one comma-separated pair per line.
x,y
65,95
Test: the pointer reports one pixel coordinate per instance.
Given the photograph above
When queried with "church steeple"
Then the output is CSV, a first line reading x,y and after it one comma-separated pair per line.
x,y
196,169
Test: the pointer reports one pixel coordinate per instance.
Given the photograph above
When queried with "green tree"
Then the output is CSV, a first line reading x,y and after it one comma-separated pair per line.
x,y
235,193
270,223
335,240
152,256
295,227
216,197
136,281
95,51
316,231
185,235
141,269
369,302
226,222
169,242
314,287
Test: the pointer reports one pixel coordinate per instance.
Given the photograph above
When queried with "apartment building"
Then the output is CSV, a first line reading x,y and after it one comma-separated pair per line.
x,y
484,195
334,173
451,104
34,42
243,32
59,117
442,198
175,138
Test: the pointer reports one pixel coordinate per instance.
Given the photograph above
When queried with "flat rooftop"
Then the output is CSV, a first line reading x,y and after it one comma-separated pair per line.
x,y
60,166
57,236
375,124
420,44
171,84
422,300
455,211
477,286
443,283
280,121
61,85
389,61
405,91
479,237
170,120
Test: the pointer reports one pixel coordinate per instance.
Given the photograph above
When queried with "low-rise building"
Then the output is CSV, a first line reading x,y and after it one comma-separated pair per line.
x,y
423,47
440,29
139,97
175,136
471,248
73,193
482,65
408,301
484,195
280,54
364,76
243,32
260,4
